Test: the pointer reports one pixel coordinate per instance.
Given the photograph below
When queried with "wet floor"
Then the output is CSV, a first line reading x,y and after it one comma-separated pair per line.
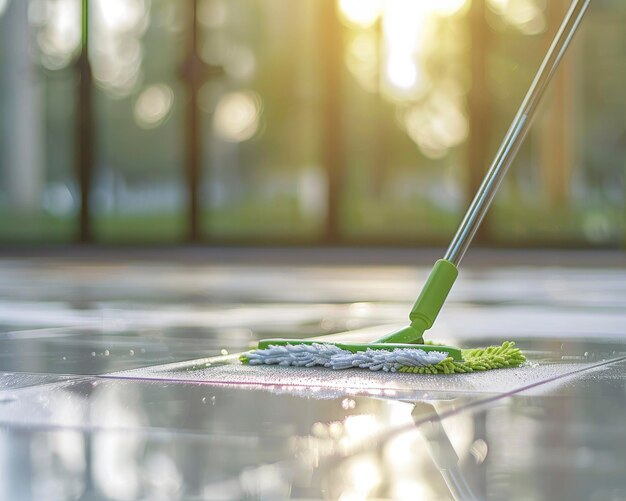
x,y
120,381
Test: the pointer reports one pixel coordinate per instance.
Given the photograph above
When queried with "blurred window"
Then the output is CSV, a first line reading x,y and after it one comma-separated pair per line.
x,y
136,53
262,177
39,195
314,121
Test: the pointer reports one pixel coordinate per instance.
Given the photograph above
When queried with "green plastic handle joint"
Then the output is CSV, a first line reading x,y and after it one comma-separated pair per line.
x,y
428,304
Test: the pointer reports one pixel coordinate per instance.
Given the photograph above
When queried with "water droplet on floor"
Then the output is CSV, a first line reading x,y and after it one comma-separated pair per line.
x,y
106,353
224,352
93,353
132,353
348,403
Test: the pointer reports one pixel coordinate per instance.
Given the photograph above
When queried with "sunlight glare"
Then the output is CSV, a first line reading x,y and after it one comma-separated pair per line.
x,y
410,489
410,37
403,24
114,468
401,72
397,453
360,13
526,15
121,15
403,32
364,474
361,426
445,8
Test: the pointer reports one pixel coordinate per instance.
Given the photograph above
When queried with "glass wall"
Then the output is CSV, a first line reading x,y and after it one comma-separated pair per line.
x,y
313,121
405,85
262,170
137,53
39,195
567,185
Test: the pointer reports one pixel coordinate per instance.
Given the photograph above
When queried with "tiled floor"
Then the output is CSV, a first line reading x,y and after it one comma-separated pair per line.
x,y
119,382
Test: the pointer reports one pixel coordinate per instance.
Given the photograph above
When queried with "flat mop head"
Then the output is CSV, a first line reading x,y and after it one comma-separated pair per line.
x,y
400,351
416,359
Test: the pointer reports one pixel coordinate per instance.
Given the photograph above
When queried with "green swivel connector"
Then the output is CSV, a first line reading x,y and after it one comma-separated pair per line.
x,y
427,306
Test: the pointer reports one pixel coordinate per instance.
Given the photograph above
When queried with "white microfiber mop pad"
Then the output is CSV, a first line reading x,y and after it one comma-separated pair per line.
x,y
331,356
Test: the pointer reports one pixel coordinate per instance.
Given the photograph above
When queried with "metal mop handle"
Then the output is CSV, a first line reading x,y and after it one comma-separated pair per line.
x,y
515,135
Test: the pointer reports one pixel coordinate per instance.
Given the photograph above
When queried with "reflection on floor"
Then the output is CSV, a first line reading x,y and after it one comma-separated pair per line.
x,y
118,383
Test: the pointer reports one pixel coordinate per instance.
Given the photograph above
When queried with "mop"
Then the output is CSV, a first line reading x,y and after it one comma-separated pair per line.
x,y
405,350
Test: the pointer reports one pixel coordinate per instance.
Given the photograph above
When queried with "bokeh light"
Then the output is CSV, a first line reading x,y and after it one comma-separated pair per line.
x,y
57,24
437,124
58,200
153,105
362,60
237,116
116,48
528,16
